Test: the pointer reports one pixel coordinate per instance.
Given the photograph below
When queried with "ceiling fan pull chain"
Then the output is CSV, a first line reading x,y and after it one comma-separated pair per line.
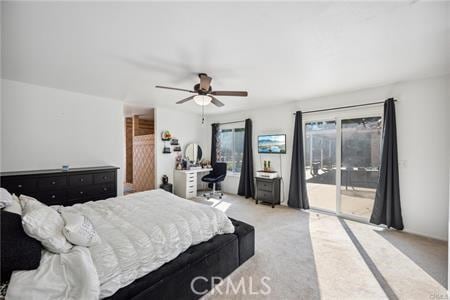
x,y
203,114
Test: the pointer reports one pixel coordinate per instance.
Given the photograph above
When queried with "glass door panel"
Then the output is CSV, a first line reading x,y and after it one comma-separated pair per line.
x,y
320,164
360,159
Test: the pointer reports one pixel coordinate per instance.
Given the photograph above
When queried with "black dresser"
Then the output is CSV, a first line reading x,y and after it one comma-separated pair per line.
x,y
52,187
268,190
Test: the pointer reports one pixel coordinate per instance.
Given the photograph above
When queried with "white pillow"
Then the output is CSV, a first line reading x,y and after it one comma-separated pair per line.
x,y
5,198
15,207
79,230
44,224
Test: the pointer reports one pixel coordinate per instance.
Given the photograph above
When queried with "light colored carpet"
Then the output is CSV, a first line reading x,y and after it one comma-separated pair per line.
x,y
307,255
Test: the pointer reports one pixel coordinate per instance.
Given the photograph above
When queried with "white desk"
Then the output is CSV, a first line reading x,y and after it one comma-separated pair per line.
x,y
185,182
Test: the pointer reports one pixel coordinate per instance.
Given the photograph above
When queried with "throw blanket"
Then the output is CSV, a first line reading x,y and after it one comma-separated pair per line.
x,y
139,233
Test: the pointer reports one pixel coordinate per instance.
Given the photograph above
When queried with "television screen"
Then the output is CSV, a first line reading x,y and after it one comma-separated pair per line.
x,y
274,143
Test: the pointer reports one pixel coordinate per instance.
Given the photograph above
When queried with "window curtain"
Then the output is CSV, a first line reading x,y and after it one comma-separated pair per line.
x,y
215,127
246,181
386,209
298,196
214,135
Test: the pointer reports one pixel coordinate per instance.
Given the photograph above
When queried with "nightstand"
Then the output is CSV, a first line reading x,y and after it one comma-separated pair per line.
x,y
268,190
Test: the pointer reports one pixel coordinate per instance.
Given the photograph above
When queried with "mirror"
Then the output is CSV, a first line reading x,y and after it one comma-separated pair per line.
x,y
193,153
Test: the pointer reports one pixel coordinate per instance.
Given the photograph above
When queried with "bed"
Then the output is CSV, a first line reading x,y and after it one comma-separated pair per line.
x,y
154,245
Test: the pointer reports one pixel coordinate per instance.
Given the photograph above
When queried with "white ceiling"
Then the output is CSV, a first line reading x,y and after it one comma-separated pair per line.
x,y
279,52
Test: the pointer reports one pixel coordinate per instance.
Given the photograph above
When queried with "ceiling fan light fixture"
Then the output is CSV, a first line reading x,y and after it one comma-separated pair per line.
x,y
202,100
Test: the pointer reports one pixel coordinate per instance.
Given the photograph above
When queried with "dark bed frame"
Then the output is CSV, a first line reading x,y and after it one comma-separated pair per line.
x,y
217,257
193,270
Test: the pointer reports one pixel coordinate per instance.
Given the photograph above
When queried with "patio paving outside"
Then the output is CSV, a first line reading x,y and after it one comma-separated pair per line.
x,y
355,201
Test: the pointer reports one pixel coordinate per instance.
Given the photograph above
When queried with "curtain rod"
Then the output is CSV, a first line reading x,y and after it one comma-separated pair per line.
x,y
343,107
230,122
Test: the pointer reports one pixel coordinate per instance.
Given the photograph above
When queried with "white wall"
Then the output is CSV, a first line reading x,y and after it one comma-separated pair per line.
x,y
184,126
44,128
423,142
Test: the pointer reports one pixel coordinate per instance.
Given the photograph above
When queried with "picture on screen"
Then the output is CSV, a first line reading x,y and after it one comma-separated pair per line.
x,y
275,143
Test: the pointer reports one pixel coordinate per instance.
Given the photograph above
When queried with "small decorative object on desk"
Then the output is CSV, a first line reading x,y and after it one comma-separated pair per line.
x,y
174,142
165,179
166,149
177,149
65,167
166,135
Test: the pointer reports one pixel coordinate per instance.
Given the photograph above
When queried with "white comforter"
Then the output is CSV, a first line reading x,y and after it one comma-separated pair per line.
x,y
139,233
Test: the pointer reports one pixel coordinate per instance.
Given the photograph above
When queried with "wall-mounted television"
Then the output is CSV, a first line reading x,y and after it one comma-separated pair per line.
x,y
272,143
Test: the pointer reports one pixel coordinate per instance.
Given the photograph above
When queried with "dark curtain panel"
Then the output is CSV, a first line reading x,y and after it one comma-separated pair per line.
x,y
215,131
246,181
298,196
386,208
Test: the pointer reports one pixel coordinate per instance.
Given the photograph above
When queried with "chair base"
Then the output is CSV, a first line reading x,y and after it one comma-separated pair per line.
x,y
213,193
216,194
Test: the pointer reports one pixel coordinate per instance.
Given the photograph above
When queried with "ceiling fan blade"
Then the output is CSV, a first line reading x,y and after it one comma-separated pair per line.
x,y
205,82
186,99
230,93
216,102
172,88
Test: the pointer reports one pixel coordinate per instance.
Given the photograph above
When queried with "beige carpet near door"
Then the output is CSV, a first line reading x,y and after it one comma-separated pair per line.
x,y
308,255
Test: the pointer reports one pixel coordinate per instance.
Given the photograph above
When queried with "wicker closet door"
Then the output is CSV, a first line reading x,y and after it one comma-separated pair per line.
x,y
143,162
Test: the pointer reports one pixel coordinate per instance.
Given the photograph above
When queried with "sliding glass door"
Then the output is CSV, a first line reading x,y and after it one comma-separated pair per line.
x,y
342,158
361,152
320,164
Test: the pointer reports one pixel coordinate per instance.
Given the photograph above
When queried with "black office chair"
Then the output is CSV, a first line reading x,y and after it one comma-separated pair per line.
x,y
217,175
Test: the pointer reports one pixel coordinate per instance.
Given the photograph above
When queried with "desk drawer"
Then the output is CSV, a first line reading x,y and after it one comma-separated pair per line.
x,y
265,186
51,183
80,180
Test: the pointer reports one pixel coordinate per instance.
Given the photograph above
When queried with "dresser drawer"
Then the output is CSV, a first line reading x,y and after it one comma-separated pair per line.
x,y
264,196
103,189
104,177
53,197
19,186
51,183
264,186
80,180
81,192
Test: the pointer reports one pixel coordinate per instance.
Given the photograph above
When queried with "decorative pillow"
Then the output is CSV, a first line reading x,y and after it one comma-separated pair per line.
x,y
79,230
18,250
5,198
15,207
44,224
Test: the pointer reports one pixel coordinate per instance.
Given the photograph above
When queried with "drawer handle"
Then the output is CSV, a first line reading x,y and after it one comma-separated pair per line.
x,y
81,193
19,186
105,189
191,186
53,182
81,179
105,177
53,196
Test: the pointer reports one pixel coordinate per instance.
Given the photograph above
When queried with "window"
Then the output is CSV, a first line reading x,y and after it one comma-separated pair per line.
x,y
230,148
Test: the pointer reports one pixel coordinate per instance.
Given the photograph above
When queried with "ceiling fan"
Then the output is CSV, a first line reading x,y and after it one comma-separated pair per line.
x,y
204,93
